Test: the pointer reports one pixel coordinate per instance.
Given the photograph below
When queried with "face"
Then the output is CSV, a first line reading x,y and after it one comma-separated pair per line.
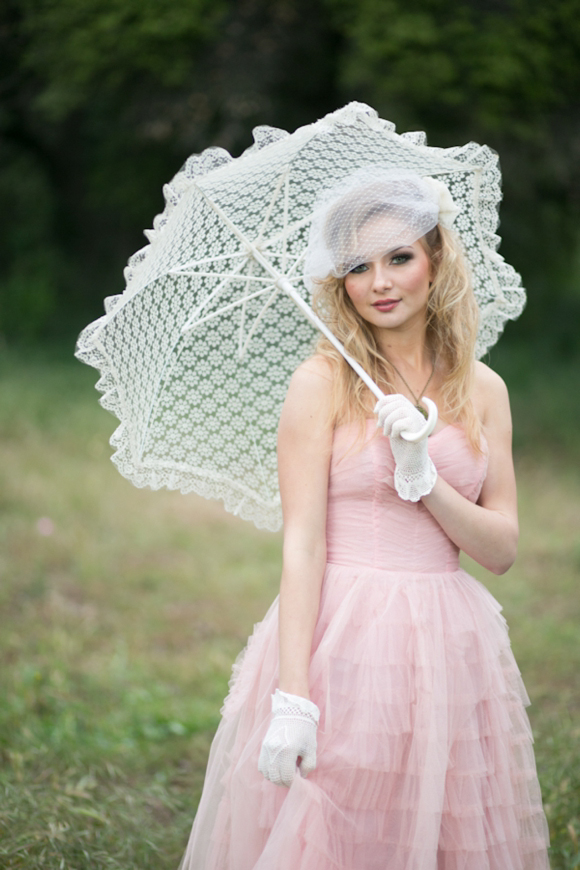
x,y
391,291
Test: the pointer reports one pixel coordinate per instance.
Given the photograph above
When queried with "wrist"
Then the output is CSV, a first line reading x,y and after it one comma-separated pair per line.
x,y
296,686
430,496
285,702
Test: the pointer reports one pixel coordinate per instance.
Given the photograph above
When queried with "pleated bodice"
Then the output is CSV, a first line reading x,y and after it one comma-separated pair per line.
x,y
368,524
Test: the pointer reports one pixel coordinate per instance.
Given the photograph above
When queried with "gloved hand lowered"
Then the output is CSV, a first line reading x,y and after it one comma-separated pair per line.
x,y
415,474
291,735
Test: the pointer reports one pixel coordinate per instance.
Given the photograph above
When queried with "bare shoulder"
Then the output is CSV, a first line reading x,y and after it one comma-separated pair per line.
x,y
314,369
312,380
490,397
488,380
308,401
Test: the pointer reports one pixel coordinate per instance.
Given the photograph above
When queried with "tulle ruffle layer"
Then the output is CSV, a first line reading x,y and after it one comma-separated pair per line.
x,y
425,757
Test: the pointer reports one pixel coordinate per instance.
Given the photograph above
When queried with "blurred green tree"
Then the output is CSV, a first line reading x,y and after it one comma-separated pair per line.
x,y
100,103
505,72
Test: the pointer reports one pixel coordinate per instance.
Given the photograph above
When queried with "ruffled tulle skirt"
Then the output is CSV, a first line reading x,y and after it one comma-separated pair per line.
x,y
425,757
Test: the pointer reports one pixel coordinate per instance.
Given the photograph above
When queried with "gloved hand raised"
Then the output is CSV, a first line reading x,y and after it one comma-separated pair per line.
x,y
415,474
291,735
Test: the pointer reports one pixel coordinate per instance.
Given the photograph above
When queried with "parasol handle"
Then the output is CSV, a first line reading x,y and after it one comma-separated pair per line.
x,y
412,437
429,426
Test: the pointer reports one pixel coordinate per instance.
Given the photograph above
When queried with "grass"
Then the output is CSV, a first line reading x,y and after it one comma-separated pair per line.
x,y
122,610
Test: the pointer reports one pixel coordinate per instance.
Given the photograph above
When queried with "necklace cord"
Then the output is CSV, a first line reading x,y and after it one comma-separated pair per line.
x,y
416,400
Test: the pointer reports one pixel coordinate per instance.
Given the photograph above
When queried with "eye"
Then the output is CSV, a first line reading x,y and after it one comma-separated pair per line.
x,y
358,270
399,259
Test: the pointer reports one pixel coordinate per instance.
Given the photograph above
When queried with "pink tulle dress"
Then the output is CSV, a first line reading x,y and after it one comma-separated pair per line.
x,y
425,757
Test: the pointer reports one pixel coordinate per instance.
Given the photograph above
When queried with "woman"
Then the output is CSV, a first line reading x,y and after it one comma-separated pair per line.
x,y
395,689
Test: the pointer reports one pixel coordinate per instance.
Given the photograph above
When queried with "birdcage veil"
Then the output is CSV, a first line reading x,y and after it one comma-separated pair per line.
x,y
370,212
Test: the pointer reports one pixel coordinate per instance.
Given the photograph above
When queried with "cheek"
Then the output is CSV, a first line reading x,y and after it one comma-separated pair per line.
x,y
355,288
418,277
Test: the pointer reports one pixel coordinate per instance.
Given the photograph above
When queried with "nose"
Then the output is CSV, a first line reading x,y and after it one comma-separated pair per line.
x,y
382,277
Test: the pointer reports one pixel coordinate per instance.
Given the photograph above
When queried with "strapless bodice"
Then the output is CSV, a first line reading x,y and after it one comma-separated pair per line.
x,y
369,525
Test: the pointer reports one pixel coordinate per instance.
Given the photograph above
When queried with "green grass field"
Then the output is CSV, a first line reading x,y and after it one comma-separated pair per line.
x,y
123,609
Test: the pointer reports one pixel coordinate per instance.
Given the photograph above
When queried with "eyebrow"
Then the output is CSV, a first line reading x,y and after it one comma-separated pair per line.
x,y
398,248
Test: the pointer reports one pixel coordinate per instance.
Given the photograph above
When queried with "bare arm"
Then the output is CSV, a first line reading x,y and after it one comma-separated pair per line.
x,y
304,448
486,531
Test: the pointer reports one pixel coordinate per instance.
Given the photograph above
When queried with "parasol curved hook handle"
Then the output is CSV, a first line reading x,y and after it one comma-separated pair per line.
x,y
430,423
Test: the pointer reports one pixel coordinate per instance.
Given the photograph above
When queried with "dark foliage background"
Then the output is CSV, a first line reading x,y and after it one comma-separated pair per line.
x,y
102,101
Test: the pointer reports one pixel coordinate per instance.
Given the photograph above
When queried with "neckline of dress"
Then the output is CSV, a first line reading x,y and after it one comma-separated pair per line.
x,y
374,420
432,437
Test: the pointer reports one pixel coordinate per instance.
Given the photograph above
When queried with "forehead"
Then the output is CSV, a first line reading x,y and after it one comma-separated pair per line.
x,y
384,231
382,223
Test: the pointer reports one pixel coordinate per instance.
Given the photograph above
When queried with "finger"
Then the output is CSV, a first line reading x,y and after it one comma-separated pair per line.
x,y
397,418
276,766
308,763
284,763
285,774
278,775
402,425
392,412
388,402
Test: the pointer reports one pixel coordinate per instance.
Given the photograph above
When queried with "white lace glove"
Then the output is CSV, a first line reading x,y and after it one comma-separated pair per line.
x,y
415,474
291,735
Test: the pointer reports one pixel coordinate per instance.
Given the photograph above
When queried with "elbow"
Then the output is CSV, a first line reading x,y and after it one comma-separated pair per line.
x,y
504,557
501,567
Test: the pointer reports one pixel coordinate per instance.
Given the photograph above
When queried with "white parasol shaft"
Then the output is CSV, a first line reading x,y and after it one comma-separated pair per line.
x,y
284,284
287,287
431,421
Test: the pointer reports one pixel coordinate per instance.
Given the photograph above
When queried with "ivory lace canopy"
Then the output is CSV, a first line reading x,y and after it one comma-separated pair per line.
x,y
196,355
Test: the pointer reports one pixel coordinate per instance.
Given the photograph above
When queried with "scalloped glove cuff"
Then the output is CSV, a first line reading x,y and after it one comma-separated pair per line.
x,y
412,481
287,704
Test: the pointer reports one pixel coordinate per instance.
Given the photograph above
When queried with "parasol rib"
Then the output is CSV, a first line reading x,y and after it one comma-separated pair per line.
x,y
243,279
191,325
258,319
287,287
202,260
243,313
219,289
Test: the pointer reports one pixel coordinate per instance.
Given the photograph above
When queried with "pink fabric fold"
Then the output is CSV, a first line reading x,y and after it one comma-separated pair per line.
x,y
425,758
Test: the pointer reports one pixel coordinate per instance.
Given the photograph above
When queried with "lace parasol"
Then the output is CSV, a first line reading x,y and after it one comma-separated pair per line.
x,y
196,355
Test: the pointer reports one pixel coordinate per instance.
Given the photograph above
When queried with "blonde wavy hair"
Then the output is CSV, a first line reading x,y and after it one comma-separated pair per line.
x,y
452,317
